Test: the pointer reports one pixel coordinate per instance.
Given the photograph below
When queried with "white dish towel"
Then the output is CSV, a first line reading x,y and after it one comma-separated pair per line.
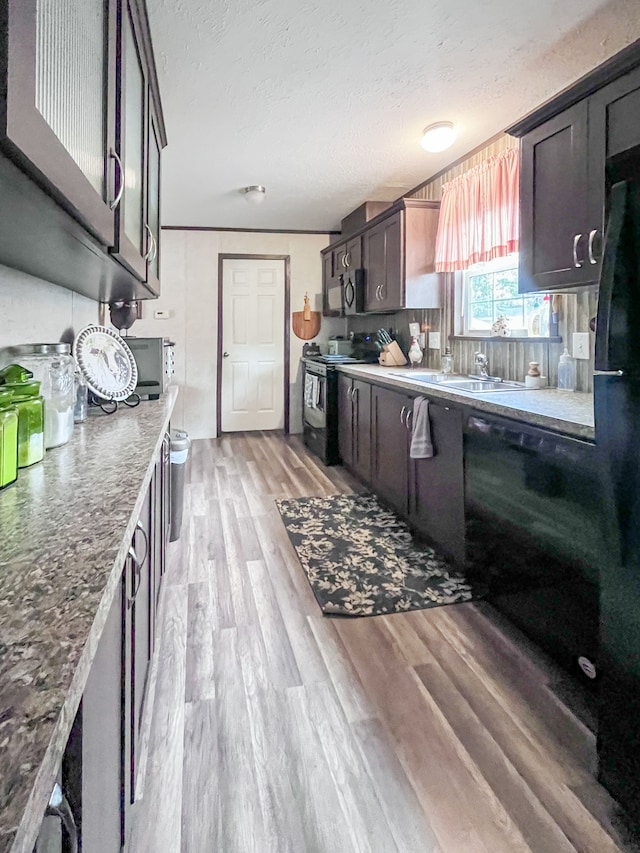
x,y
421,444
311,391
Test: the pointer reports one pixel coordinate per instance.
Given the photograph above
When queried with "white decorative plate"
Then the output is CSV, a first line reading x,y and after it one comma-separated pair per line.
x,y
106,362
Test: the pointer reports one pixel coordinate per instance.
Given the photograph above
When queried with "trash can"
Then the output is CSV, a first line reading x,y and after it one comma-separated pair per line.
x,y
180,443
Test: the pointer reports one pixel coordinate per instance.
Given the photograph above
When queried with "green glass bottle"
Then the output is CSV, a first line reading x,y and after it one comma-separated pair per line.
x,y
30,408
8,439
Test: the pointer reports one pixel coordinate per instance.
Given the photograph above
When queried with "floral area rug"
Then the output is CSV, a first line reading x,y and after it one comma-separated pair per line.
x,y
362,561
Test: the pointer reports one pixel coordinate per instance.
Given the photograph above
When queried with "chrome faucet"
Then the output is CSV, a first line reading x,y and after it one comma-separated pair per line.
x,y
482,363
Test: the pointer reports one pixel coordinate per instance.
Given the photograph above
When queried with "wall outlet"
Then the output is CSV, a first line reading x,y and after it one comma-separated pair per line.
x,y
580,344
434,340
161,315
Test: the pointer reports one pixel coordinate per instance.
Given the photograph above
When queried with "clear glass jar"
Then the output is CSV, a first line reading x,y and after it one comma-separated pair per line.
x,y
29,405
8,439
446,361
81,406
54,367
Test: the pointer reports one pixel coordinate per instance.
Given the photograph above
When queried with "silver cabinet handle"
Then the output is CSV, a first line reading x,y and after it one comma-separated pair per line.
x,y
118,196
343,260
155,248
408,420
146,540
378,297
592,235
383,289
149,252
131,599
347,260
402,413
352,394
576,262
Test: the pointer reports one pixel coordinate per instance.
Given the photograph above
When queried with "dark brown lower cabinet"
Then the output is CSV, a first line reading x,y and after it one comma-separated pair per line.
x,y
375,440
390,411
437,485
102,758
345,420
354,426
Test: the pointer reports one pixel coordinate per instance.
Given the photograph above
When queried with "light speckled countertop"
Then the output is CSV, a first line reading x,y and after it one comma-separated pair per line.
x,y
65,527
567,412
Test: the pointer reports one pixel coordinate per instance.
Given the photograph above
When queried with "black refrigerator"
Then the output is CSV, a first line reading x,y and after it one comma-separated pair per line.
x,y
617,424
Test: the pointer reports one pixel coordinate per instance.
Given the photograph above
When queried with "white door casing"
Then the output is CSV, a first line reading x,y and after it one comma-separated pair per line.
x,y
253,334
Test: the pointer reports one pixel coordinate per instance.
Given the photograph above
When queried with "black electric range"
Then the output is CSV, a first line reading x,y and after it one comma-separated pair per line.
x,y
320,404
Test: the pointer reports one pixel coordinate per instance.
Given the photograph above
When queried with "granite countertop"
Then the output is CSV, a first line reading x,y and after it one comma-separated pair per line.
x,y
570,413
66,525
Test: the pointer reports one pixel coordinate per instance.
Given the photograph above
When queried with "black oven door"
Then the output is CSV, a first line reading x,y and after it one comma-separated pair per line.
x,y
315,397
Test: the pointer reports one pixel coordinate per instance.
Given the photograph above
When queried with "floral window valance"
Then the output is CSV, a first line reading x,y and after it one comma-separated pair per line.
x,y
479,214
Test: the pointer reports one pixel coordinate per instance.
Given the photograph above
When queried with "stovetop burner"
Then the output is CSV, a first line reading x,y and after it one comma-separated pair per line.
x,y
334,359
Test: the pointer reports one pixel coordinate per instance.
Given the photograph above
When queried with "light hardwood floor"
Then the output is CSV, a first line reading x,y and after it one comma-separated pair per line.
x,y
277,730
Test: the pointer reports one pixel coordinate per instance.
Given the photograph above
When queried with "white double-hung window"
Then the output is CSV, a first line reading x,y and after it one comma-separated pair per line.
x,y
490,292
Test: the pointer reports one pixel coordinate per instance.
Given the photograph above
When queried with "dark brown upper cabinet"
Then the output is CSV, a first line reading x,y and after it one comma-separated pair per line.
x,y
397,251
57,107
81,124
565,146
139,141
399,257
332,280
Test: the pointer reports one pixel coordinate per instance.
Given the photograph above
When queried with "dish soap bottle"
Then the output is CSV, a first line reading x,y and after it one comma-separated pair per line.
x,y
566,372
446,361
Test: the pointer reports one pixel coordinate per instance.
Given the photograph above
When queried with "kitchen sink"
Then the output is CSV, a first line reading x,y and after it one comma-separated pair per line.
x,y
459,383
482,386
436,378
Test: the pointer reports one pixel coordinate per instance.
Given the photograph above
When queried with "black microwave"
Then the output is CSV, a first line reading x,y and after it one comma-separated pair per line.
x,y
154,358
354,284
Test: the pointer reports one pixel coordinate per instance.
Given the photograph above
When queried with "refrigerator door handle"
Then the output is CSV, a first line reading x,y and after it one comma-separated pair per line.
x,y
604,320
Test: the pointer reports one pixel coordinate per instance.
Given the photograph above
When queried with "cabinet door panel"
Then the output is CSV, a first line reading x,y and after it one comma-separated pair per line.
x,y
345,420
362,430
373,258
153,199
354,253
133,243
102,732
59,109
390,453
438,485
553,203
392,294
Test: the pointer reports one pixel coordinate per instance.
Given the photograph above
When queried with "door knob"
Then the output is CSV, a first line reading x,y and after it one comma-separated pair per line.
x,y
225,355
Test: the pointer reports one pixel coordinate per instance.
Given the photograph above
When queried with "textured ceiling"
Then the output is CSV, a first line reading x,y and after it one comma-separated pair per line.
x,y
324,103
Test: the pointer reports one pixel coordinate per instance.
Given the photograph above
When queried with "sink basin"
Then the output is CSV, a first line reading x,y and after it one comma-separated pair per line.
x,y
460,383
436,378
482,386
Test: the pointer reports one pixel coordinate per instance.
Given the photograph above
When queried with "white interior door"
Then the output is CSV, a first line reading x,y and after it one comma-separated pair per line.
x,y
252,344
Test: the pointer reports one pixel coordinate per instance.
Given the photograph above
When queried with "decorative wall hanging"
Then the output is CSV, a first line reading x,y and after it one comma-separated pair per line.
x,y
306,323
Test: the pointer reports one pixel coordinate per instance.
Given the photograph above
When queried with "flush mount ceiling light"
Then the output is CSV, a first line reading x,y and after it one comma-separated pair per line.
x,y
254,194
438,136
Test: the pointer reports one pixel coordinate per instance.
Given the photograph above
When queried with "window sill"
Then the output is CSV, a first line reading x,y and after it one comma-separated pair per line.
x,y
506,339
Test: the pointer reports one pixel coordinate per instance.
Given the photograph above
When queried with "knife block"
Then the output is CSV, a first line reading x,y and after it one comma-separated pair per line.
x,y
391,355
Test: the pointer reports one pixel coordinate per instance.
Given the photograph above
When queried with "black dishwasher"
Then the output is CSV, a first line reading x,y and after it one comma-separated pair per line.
x,y
534,534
